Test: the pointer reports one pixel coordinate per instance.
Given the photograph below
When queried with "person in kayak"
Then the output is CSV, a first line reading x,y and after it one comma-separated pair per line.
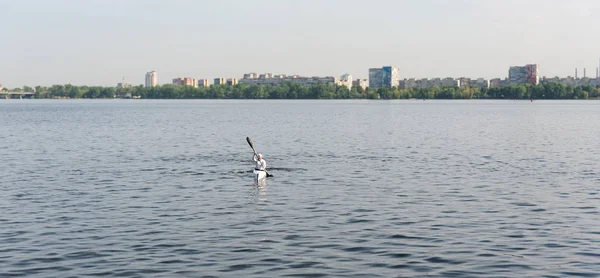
x,y
261,164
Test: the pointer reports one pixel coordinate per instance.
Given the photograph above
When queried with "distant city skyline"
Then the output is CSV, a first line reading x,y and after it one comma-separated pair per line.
x,y
98,42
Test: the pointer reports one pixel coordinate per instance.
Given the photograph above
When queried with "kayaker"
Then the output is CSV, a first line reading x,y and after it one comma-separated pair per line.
x,y
261,164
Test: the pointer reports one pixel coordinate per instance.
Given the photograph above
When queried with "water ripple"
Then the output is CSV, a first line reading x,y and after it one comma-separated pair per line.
x,y
361,189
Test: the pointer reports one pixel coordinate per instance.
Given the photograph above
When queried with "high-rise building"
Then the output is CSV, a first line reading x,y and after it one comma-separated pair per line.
x,y
280,79
528,74
185,81
384,77
346,80
362,83
498,83
251,75
219,81
479,82
533,74
450,82
391,77
232,81
151,79
203,83
517,75
375,78
265,76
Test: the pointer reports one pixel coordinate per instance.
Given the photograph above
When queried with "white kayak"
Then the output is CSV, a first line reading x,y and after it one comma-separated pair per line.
x,y
259,174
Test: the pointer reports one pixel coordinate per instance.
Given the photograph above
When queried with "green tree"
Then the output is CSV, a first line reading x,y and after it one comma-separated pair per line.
x,y
107,92
317,91
578,92
538,91
519,91
342,92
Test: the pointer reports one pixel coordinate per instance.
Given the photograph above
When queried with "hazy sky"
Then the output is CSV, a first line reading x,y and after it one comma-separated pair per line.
x,y
97,42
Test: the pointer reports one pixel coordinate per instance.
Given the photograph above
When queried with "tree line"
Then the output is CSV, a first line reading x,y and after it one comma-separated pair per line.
x,y
318,91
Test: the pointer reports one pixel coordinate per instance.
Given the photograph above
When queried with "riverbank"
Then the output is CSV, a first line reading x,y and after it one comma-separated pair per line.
x,y
318,91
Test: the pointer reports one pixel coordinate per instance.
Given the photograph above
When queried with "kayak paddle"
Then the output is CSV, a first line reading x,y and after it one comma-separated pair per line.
x,y
252,146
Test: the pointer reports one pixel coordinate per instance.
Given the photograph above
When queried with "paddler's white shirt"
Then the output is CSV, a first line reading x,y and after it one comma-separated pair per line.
x,y
260,165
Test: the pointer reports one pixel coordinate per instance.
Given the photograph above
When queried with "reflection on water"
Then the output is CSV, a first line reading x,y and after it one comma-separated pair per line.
x,y
361,189
258,191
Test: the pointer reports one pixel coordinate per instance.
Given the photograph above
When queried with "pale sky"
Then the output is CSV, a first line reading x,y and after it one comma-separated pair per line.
x,y
98,42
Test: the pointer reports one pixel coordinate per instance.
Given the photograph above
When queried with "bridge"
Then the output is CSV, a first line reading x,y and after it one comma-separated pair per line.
x,y
8,95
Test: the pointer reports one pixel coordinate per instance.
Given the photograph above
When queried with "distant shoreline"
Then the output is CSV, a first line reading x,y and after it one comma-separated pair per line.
x,y
317,91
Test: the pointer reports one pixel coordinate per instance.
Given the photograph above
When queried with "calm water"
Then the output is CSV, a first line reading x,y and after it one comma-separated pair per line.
x,y
361,188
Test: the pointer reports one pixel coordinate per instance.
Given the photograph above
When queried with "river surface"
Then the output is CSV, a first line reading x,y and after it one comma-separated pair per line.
x,y
163,188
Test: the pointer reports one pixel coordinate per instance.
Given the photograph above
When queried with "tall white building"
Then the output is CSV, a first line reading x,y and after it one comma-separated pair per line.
x,y
151,79
346,80
363,83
